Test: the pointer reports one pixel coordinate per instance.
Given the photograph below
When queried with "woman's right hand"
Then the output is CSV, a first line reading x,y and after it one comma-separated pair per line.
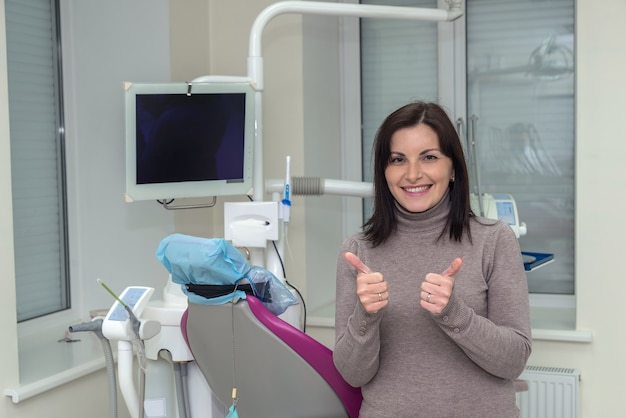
x,y
371,287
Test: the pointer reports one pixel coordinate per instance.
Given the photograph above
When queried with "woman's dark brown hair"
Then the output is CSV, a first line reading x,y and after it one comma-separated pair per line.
x,y
383,221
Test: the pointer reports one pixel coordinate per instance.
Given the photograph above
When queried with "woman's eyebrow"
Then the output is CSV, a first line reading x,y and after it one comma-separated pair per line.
x,y
426,151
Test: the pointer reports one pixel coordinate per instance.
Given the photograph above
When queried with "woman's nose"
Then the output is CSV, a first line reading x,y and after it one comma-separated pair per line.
x,y
413,172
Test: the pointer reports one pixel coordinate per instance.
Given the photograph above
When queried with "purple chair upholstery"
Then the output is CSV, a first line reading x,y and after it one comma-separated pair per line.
x,y
278,369
313,352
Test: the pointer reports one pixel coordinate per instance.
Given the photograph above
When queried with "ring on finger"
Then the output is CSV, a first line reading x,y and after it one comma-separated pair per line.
x,y
380,297
428,297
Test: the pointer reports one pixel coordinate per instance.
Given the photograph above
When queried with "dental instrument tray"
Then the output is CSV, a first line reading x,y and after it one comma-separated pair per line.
x,y
536,260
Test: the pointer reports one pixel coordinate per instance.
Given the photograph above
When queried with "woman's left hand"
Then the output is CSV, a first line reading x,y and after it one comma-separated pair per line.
x,y
436,289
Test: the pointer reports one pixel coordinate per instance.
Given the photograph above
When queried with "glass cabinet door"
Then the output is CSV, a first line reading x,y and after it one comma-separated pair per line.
x,y
520,109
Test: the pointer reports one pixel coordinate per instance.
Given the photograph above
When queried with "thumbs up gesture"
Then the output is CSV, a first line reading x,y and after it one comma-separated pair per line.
x,y
436,289
371,287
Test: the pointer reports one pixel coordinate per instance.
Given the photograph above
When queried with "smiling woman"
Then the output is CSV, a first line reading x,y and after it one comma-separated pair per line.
x,y
429,292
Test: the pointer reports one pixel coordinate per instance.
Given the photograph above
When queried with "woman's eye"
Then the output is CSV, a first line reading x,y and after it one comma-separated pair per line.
x,y
430,157
396,160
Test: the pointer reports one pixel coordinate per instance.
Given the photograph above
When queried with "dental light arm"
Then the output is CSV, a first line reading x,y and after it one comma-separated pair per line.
x,y
339,9
255,59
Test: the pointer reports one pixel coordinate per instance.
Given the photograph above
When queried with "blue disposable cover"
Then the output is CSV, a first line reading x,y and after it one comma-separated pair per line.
x,y
195,260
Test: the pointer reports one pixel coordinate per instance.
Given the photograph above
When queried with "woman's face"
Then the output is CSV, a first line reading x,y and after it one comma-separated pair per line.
x,y
417,173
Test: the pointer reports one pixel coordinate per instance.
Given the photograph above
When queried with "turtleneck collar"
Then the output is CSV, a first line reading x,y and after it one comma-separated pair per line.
x,y
433,219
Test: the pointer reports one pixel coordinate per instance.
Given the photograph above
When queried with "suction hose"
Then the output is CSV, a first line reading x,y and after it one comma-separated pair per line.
x,y
180,383
96,327
180,375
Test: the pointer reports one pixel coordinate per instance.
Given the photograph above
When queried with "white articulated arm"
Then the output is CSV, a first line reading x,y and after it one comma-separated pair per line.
x,y
255,59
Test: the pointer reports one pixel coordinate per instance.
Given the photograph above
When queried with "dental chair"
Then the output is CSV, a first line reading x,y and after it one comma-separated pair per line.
x,y
278,370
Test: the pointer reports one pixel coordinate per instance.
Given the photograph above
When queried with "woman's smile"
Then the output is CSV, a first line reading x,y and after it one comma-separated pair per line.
x,y
417,189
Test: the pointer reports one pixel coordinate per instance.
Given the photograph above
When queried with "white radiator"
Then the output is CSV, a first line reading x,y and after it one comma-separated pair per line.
x,y
552,393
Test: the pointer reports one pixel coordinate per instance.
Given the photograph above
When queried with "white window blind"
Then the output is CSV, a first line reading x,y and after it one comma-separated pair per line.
x,y
38,184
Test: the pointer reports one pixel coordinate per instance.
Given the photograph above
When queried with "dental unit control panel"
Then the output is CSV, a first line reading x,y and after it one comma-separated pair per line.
x,y
118,325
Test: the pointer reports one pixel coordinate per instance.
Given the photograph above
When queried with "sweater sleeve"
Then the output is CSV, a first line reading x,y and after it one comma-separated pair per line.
x,y
357,336
501,342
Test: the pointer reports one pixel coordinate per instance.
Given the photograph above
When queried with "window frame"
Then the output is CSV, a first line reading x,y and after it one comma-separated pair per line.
x,y
64,278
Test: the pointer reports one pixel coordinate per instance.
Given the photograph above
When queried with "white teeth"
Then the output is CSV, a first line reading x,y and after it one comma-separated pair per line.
x,y
416,189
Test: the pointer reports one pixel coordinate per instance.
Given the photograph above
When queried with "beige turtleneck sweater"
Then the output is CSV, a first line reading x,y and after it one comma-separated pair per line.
x,y
460,363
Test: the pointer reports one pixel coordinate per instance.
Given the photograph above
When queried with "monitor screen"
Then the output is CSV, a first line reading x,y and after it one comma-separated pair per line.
x,y
188,139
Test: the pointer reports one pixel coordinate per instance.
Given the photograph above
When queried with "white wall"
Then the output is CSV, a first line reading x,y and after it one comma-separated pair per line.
x,y
601,150
323,155
109,43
